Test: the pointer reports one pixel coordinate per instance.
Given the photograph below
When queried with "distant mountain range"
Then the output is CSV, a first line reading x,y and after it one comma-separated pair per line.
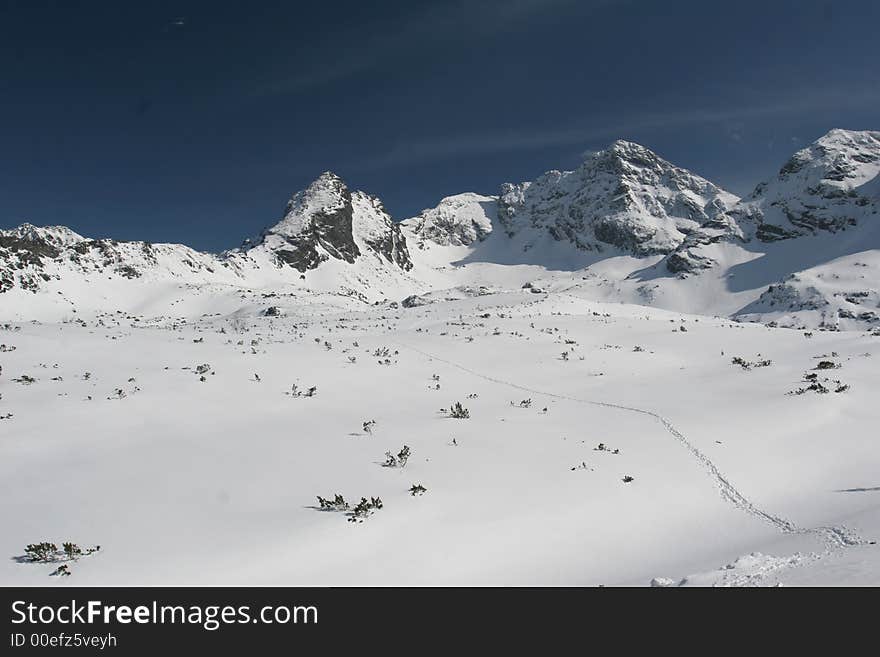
x,y
802,250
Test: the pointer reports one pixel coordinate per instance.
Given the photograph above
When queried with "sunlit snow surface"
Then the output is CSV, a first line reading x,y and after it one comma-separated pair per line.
x,y
183,481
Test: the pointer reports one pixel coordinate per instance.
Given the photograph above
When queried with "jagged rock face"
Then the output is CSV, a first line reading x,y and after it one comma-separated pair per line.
x,y
624,197
317,225
375,228
23,251
690,257
824,187
458,220
326,221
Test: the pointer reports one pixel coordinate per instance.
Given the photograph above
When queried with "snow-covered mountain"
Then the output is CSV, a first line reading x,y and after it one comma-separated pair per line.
x,y
831,186
626,225
31,256
348,235
812,233
624,199
458,220
326,221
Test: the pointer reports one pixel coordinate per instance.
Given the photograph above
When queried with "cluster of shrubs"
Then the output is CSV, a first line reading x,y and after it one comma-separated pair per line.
x,y
823,386
46,552
361,510
296,392
364,509
747,365
337,504
399,461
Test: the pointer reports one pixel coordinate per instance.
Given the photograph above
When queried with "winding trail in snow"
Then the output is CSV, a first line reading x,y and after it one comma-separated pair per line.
x,y
834,538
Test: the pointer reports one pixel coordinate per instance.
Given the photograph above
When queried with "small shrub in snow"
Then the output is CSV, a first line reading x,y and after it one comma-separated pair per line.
x,y
368,426
458,411
41,551
71,550
296,392
365,508
338,503
628,479
417,489
398,461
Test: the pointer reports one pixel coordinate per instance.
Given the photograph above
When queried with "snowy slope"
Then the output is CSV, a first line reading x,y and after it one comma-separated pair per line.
x,y
177,446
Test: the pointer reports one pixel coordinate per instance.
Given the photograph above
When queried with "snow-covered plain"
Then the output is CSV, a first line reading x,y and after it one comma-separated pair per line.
x,y
183,481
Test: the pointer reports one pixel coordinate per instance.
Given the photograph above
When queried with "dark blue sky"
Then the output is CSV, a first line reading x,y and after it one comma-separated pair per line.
x,y
195,121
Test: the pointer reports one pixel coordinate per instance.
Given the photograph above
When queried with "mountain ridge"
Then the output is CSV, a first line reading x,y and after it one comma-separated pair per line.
x,y
625,217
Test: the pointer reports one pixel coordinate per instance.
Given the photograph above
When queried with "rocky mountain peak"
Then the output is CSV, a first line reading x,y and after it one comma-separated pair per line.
x,y
828,186
841,158
624,197
317,225
327,220
831,186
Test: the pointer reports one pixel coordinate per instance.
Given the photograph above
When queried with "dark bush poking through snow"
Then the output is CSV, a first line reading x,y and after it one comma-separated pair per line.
x,y
399,461
457,411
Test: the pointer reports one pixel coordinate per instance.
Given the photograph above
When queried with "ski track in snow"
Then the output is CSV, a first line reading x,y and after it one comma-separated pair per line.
x,y
835,538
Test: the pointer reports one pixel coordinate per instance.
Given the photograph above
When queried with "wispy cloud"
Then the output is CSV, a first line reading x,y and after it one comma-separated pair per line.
x,y
355,50
584,133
